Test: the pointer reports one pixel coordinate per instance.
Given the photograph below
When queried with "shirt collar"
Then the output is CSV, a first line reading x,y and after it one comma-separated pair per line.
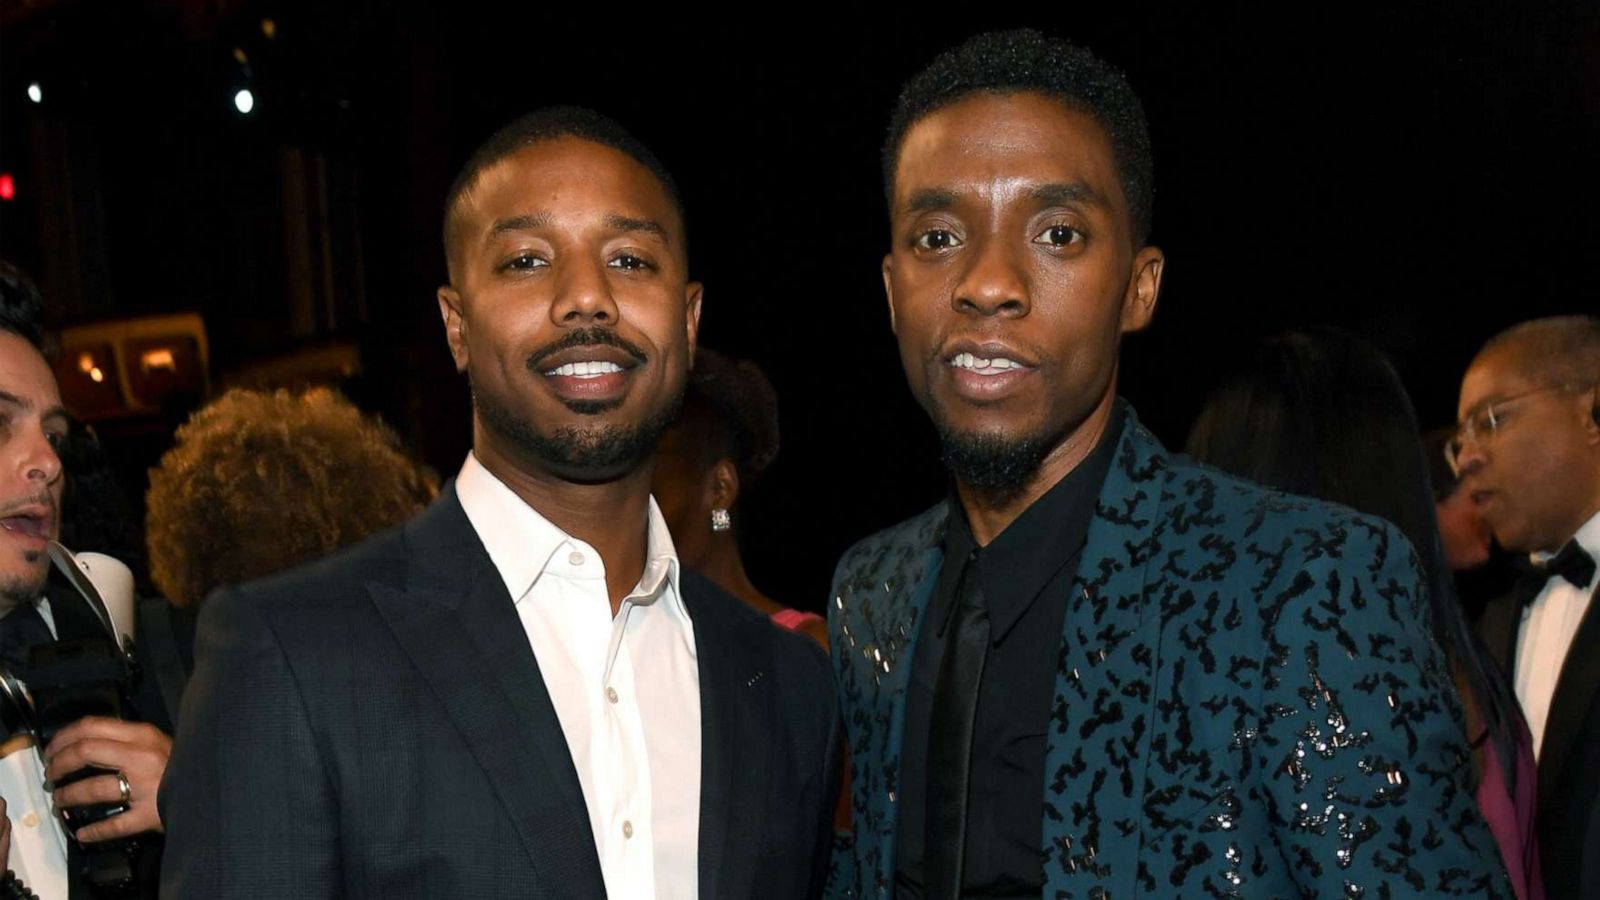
x,y
523,545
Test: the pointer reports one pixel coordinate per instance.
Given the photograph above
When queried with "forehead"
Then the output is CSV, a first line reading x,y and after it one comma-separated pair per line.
x,y
25,374
568,178
989,140
1500,372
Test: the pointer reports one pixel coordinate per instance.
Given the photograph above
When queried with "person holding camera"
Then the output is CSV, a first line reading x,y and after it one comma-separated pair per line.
x,y
101,773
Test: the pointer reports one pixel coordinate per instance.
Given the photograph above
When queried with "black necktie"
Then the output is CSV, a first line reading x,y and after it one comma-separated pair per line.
x,y
1573,563
20,631
950,729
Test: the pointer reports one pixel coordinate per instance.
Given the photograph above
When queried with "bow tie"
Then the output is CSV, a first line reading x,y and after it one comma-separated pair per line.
x,y
1573,563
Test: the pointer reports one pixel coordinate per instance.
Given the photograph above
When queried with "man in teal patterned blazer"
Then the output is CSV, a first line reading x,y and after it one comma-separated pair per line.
x,y
1098,670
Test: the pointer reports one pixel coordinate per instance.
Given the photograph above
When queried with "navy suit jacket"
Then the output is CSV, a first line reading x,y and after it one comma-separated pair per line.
x,y
375,726
1247,701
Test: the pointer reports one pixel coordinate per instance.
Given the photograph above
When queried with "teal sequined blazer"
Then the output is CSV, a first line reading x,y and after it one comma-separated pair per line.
x,y
1248,702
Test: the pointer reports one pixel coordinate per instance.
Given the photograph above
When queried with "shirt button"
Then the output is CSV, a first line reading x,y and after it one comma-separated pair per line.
x,y
575,558
611,694
627,829
30,820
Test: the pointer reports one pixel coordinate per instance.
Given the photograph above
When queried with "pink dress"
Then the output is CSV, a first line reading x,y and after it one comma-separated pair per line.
x,y
793,619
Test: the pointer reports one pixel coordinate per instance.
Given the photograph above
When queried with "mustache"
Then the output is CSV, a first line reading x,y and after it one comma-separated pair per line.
x,y
586,337
43,499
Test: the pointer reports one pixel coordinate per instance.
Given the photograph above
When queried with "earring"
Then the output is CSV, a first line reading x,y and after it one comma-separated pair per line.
x,y
720,520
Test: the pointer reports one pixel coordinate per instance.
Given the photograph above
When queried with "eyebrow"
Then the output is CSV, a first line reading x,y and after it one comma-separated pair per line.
x,y
614,221
930,199
518,223
54,412
619,222
1068,193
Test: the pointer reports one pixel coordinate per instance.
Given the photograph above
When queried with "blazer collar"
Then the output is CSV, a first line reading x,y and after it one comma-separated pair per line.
x,y
456,621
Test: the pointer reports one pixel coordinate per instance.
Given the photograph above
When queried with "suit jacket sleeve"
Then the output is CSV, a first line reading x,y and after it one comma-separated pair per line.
x,y
1361,753
248,805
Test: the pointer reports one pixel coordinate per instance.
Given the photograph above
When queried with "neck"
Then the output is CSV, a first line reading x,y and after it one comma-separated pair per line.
x,y
991,512
610,516
724,567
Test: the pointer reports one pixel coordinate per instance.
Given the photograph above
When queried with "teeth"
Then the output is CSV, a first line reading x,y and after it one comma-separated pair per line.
x,y
984,366
585,369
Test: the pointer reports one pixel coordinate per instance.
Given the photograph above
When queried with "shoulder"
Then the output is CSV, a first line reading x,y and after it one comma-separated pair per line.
x,y
891,546
1273,526
339,577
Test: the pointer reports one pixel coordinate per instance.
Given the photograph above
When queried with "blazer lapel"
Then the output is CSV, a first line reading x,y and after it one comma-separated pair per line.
x,y
1575,692
736,722
1498,628
1101,716
461,630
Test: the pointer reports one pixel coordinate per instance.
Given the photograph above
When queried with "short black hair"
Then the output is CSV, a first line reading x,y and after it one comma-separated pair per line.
x,y
548,124
21,306
732,409
1027,61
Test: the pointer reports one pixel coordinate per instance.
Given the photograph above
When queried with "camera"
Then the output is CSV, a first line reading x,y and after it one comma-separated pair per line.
x,y
92,674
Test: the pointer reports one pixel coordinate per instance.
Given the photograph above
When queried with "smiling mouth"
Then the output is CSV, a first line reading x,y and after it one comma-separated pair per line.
x,y
593,369
997,365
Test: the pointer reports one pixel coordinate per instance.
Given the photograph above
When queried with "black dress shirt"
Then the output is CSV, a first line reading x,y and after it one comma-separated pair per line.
x,y
1026,575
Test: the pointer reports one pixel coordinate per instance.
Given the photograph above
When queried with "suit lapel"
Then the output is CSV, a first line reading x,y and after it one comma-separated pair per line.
x,y
736,722
1498,627
460,628
1101,715
1569,707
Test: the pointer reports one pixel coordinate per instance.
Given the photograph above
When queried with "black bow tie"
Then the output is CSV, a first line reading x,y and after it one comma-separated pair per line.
x,y
1573,563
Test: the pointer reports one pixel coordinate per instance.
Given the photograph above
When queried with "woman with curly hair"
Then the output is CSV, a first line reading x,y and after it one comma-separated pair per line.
x,y
260,482
723,440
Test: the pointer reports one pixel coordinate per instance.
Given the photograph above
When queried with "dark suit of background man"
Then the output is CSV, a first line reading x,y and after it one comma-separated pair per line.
x,y
519,693
1528,449
1097,669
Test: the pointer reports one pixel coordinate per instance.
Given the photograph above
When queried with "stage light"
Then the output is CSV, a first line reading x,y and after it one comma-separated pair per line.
x,y
8,186
244,101
35,92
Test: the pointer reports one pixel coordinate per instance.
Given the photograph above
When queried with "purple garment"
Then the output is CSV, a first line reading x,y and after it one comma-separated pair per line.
x,y
1510,817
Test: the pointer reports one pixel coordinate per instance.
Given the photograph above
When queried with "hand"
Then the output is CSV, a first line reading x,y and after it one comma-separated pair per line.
x,y
5,836
138,750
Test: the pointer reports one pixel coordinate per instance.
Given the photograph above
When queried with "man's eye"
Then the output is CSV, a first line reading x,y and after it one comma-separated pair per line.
x,y
523,261
56,439
631,263
1059,236
937,239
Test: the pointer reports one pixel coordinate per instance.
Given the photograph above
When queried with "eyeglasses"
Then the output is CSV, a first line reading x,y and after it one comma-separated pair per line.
x,y
1486,420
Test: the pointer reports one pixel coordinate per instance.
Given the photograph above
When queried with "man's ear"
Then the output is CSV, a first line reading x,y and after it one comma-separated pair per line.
x,y
1139,306
455,325
888,289
694,292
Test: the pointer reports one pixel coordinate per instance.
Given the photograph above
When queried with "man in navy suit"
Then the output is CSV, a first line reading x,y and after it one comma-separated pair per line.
x,y
520,693
1098,670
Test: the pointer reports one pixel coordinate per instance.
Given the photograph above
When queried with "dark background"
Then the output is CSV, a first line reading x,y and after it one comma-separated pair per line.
x,y
1423,177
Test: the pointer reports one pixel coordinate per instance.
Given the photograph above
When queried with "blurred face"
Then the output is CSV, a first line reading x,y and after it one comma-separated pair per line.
x,y
570,309
1536,478
1012,277
683,489
32,426
1465,534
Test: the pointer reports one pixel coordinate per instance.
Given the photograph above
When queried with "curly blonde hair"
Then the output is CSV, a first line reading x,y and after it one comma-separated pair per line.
x,y
260,482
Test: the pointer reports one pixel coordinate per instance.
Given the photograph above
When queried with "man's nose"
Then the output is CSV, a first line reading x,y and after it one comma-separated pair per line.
x,y
584,295
994,282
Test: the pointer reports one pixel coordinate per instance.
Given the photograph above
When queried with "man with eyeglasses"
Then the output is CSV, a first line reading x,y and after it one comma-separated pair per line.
x,y
1528,449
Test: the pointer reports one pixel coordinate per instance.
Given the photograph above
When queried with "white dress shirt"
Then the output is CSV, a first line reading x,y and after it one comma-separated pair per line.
x,y
1548,626
38,841
626,688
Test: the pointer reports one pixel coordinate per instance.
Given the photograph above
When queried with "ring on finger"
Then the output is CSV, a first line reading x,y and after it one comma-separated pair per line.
x,y
125,787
